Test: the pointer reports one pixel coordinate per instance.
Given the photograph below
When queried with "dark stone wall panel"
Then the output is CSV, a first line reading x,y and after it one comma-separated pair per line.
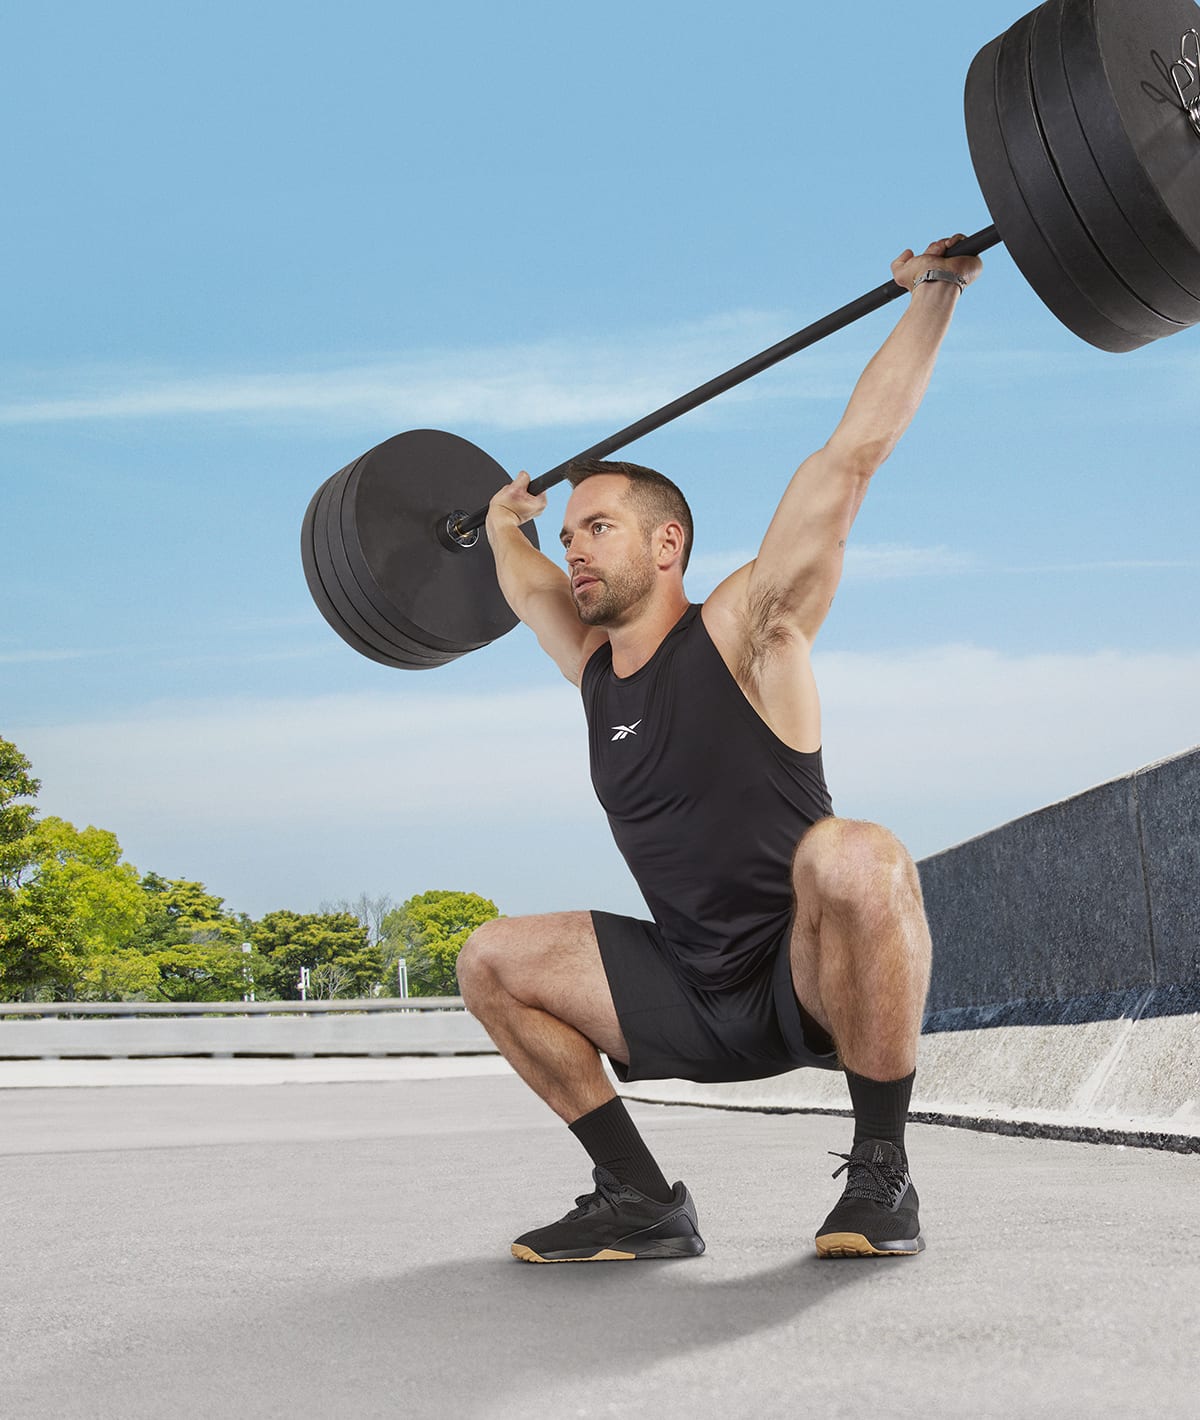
x,y
1053,905
1169,801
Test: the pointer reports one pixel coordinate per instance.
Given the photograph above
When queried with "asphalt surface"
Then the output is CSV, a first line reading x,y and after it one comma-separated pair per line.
x,y
341,1250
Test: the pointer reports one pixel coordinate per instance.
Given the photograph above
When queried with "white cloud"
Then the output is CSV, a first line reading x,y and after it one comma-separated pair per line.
x,y
1122,565
30,656
872,562
554,382
373,757
292,801
958,726
562,381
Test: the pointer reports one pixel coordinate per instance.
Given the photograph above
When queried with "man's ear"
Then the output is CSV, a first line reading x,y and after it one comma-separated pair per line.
x,y
669,540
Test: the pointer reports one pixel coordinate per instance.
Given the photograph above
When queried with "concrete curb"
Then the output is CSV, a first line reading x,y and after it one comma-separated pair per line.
x,y
1121,1081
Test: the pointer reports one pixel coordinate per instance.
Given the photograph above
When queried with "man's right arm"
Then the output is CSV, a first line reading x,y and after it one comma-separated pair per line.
x,y
538,591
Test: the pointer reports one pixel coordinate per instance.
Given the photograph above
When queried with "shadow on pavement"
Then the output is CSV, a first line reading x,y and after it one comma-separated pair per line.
x,y
486,1331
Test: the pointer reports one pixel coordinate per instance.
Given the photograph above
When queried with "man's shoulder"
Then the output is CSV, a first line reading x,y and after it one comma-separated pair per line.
x,y
596,656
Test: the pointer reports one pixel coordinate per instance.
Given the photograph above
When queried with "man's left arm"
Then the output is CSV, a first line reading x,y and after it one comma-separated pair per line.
x,y
793,580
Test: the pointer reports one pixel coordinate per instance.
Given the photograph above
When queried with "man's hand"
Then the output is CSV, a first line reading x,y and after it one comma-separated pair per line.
x,y
907,267
514,504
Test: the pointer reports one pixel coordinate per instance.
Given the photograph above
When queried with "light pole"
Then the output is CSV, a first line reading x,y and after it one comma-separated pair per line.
x,y
248,994
305,982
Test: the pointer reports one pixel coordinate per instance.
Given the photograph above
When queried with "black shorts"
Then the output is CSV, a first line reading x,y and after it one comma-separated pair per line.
x,y
675,1030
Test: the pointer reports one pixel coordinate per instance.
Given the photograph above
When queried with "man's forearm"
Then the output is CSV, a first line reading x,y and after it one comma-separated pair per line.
x,y
524,573
890,390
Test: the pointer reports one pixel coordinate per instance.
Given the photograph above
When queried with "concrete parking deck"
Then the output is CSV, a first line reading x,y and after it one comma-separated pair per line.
x,y
341,1249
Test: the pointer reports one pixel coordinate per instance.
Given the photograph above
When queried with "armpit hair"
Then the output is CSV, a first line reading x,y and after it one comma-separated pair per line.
x,y
768,630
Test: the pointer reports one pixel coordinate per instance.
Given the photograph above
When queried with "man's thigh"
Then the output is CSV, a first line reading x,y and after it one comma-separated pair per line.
x,y
550,962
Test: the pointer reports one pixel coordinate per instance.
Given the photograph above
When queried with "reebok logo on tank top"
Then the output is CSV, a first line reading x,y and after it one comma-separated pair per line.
x,y
624,731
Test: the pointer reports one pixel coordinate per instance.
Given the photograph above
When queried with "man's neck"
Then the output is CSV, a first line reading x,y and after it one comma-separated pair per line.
x,y
633,644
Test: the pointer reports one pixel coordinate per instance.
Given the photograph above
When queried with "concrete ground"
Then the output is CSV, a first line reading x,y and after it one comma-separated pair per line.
x,y
325,1249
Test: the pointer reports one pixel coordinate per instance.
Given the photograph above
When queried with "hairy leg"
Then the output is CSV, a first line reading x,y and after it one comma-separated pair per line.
x,y
538,987
860,944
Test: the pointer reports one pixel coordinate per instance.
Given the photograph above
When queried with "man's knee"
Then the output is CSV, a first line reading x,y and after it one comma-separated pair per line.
x,y
843,862
480,959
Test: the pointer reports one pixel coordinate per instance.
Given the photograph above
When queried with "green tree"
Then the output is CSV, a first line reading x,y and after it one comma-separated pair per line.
x,y
194,943
25,944
333,945
428,931
71,899
183,912
76,921
16,819
206,971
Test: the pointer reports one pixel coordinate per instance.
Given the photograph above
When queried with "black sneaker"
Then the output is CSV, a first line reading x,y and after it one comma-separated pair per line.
x,y
616,1224
877,1214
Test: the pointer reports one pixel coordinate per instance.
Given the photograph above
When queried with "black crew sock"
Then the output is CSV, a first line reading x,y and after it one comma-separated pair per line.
x,y
880,1107
612,1139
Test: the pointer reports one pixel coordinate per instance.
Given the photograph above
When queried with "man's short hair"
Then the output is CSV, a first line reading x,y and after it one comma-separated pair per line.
x,y
655,497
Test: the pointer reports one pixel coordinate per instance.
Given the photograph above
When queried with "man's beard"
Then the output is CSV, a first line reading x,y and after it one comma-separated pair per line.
x,y
610,597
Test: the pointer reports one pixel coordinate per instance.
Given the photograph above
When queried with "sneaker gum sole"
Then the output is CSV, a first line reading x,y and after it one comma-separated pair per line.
x,y
855,1245
690,1246
607,1254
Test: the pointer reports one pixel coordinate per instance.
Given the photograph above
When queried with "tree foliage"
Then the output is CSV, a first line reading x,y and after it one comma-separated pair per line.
x,y
16,819
67,898
192,943
369,910
429,931
77,922
334,944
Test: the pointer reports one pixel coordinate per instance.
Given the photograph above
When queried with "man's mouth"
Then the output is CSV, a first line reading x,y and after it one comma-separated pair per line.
x,y
580,583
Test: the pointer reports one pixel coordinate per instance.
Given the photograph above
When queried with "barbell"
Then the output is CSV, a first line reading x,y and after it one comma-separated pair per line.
x,y
1083,123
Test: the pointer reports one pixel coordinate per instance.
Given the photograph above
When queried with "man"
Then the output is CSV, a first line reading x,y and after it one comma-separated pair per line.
x,y
782,936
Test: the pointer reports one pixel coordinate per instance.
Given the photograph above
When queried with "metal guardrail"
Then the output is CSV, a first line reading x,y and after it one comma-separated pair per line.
x,y
60,1009
52,1030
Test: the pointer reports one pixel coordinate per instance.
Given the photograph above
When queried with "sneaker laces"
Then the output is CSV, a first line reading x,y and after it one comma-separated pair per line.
x,y
876,1182
607,1188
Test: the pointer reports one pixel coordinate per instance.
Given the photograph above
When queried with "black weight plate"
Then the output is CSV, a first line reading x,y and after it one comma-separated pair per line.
x,y
1020,232
317,589
1116,54
360,612
381,637
349,553
1049,204
392,506
426,457
1118,240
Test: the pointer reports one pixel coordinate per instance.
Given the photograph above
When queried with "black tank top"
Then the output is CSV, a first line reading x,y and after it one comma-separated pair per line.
x,y
705,802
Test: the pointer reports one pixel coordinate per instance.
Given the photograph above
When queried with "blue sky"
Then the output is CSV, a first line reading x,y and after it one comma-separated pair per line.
x,y
247,243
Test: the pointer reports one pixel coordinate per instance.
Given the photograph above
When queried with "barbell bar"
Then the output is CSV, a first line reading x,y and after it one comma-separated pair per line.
x,y
1083,122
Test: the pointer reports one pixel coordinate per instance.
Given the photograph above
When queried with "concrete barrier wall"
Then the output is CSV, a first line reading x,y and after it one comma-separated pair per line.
x,y
1099,894
299,1033
1065,996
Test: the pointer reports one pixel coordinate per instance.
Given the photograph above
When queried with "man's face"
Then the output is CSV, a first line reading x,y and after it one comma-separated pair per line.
x,y
608,555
